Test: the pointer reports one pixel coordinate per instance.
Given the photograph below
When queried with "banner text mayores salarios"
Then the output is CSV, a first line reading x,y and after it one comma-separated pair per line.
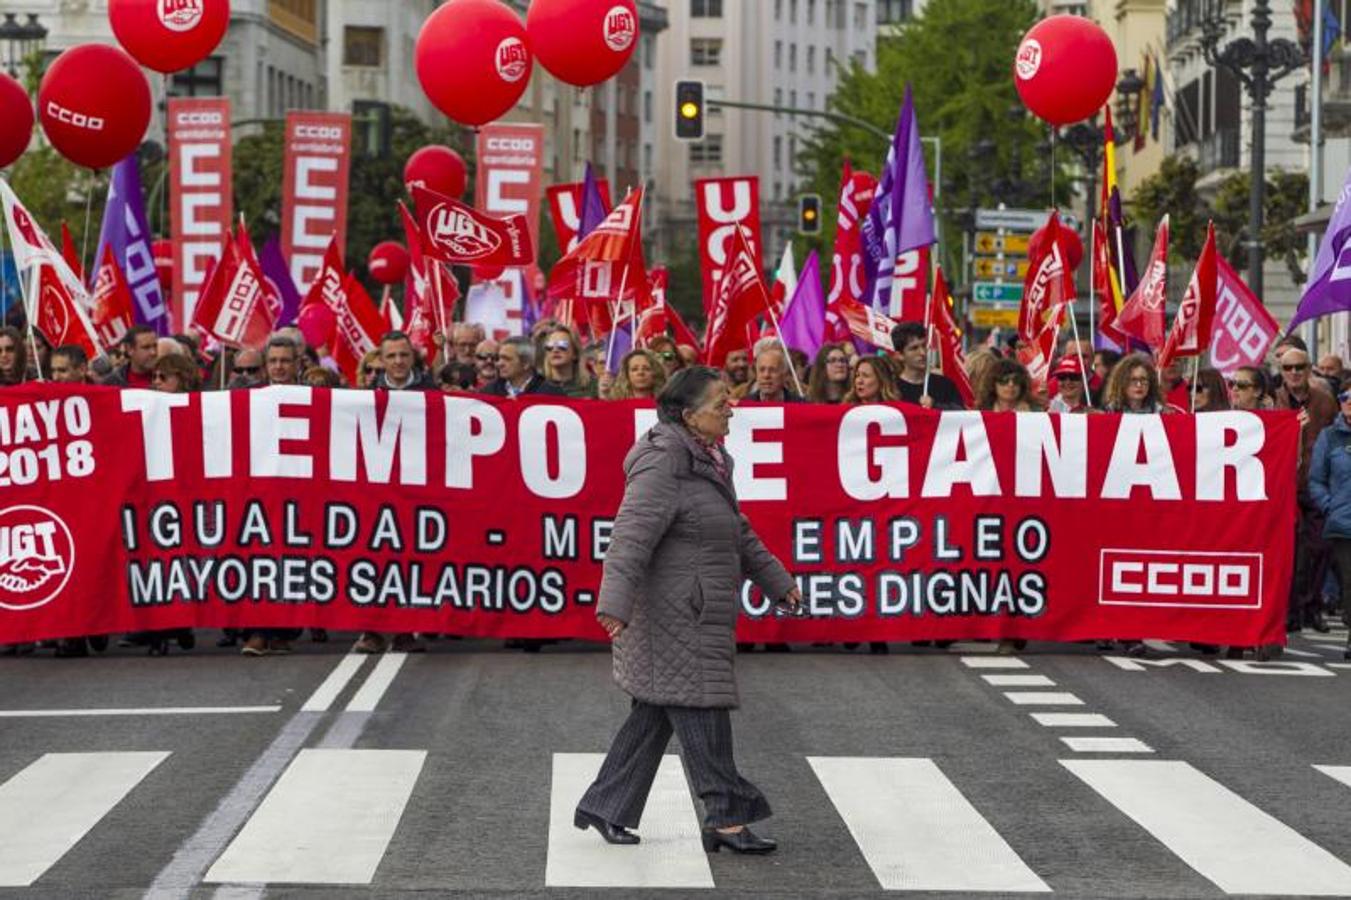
x,y
873,457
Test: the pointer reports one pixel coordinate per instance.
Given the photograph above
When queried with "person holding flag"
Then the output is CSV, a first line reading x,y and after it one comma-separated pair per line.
x,y
911,340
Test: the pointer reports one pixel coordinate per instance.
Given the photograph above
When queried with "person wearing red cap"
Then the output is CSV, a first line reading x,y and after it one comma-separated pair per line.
x,y
1070,395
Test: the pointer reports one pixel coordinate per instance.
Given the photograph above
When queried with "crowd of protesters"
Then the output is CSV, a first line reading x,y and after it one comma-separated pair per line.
x,y
553,361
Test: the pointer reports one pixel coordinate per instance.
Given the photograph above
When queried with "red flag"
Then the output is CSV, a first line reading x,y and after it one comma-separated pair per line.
x,y
358,327
565,208
846,270
111,313
233,306
740,297
456,233
328,282
390,314
1191,329
59,317
1103,288
948,337
598,269
1049,284
244,244
867,324
1142,317
70,254
660,315
421,323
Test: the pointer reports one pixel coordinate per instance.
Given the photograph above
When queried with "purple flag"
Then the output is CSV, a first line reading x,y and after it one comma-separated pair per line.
x,y
803,324
1328,289
125,230
593,207
901,217
275,270
619,343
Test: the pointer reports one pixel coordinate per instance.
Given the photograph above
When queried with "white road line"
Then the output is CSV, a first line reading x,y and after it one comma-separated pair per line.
x,y
49,806
1043,698
1291,651
1228,840
669,856
1160,646
1106,745
1330,638
368,697
1018,681
1340,665
1073,720
1341,773
916,830
137,711
332,686
993,662
328,820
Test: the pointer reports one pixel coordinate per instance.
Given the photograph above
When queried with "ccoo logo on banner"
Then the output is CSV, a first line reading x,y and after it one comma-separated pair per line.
x,y
37,556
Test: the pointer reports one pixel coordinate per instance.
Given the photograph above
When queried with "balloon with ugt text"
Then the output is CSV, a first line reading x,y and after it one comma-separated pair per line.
x,y
388,262
16,111
1065,69
473,60
169,35
94,105
436,168
316,323
582,42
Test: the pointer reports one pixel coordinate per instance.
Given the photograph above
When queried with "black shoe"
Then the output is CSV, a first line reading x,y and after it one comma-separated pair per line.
x,y
743,841
878,648
613,834
1318,623
1136,649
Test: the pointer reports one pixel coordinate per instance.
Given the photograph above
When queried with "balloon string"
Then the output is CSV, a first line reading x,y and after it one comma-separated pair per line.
x,y
88,205
1052,167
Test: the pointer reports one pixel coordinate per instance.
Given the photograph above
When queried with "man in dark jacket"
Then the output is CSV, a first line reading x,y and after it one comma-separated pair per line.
x,y
142,350
401,372
1330,489
516,373
911,341
771,378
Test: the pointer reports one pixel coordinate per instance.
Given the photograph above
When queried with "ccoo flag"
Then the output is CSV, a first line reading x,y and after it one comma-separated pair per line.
x,y
126,231
1329,287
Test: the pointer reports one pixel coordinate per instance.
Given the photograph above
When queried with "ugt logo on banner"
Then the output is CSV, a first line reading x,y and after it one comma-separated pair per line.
x,y
37,556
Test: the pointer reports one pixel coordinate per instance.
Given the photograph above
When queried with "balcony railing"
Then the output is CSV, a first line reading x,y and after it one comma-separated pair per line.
x,y
1219,150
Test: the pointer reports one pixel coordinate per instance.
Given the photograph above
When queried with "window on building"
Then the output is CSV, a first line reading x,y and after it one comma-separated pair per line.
x,y
649,54
892,12
811,12
811,59
792,57
647,157
576,145
811,99
860,16
705,9
778,10
778,190
362,46
707,152
647,107
705,51
778,99
778,152
792,11
830,62
778,54
792,99
860,58
202,80
712,94
1186,130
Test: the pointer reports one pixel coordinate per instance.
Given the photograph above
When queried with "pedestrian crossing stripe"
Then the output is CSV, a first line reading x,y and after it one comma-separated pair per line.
x,y
330,818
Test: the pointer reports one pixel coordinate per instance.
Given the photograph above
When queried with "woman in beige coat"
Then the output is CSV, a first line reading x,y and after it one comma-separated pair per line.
x,y
669,598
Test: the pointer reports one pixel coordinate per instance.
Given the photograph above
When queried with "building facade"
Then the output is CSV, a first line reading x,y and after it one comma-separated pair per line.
x,y
787,53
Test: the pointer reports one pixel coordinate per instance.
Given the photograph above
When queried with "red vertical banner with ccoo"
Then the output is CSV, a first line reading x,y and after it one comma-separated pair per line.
x,y
201,195
723,204
511,174
315,167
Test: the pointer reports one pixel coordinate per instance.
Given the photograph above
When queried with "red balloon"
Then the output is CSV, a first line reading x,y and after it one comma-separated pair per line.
x,y
316,322
583,42
1065,69
388,262
169,37
94,105
1070,241
16,111
473,60
436,168
163,252
487,273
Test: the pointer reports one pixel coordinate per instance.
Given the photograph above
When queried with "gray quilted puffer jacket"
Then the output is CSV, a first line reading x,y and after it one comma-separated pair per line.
x,y
678,554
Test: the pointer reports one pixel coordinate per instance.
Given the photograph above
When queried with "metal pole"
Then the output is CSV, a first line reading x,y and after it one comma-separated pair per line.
x,y
810,113
1315,153
1260,87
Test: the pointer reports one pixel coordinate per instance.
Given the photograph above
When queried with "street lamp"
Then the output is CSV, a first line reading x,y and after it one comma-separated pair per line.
x,y
1258,62
20,39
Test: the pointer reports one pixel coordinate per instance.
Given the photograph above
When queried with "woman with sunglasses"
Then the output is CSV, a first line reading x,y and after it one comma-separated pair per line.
x,y
830,377
563,365
1211,395
1330,487
1006,387
371,366
1248,390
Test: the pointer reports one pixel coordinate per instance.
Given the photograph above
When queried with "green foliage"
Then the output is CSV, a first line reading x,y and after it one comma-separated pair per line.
x,y
1172,190
957,56
685,287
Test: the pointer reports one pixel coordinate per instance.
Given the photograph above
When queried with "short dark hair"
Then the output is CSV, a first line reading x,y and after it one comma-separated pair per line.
x,y
458,374
396,335
905,332
1293,340
683,392
74,353
1109,357
136,331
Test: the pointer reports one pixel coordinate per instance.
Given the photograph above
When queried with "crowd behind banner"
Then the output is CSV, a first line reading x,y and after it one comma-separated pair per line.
x,y
553,361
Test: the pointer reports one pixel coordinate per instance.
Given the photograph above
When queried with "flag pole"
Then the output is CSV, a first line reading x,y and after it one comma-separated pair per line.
x,y
1196,370
28,311
928,341
1083,373
1092,285
787,357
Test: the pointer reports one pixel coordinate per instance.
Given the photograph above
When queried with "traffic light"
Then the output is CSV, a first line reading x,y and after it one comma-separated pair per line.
x,y
809,214
689,108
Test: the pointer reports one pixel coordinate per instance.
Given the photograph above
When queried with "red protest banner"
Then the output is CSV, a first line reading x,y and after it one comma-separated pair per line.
x,y
412,511
723,204
510,174
318,154
200,195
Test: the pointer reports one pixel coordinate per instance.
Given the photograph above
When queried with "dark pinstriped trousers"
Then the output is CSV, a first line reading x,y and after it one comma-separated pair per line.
x,y
620,791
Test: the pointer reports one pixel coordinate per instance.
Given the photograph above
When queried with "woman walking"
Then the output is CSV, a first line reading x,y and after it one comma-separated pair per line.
x,y
668,599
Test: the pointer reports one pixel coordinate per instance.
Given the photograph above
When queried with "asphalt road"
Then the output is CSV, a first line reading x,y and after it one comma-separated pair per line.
x,y
323,774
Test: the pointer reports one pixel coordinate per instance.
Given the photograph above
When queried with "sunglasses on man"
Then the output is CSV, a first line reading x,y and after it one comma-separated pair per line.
x,y
248,370
486,357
